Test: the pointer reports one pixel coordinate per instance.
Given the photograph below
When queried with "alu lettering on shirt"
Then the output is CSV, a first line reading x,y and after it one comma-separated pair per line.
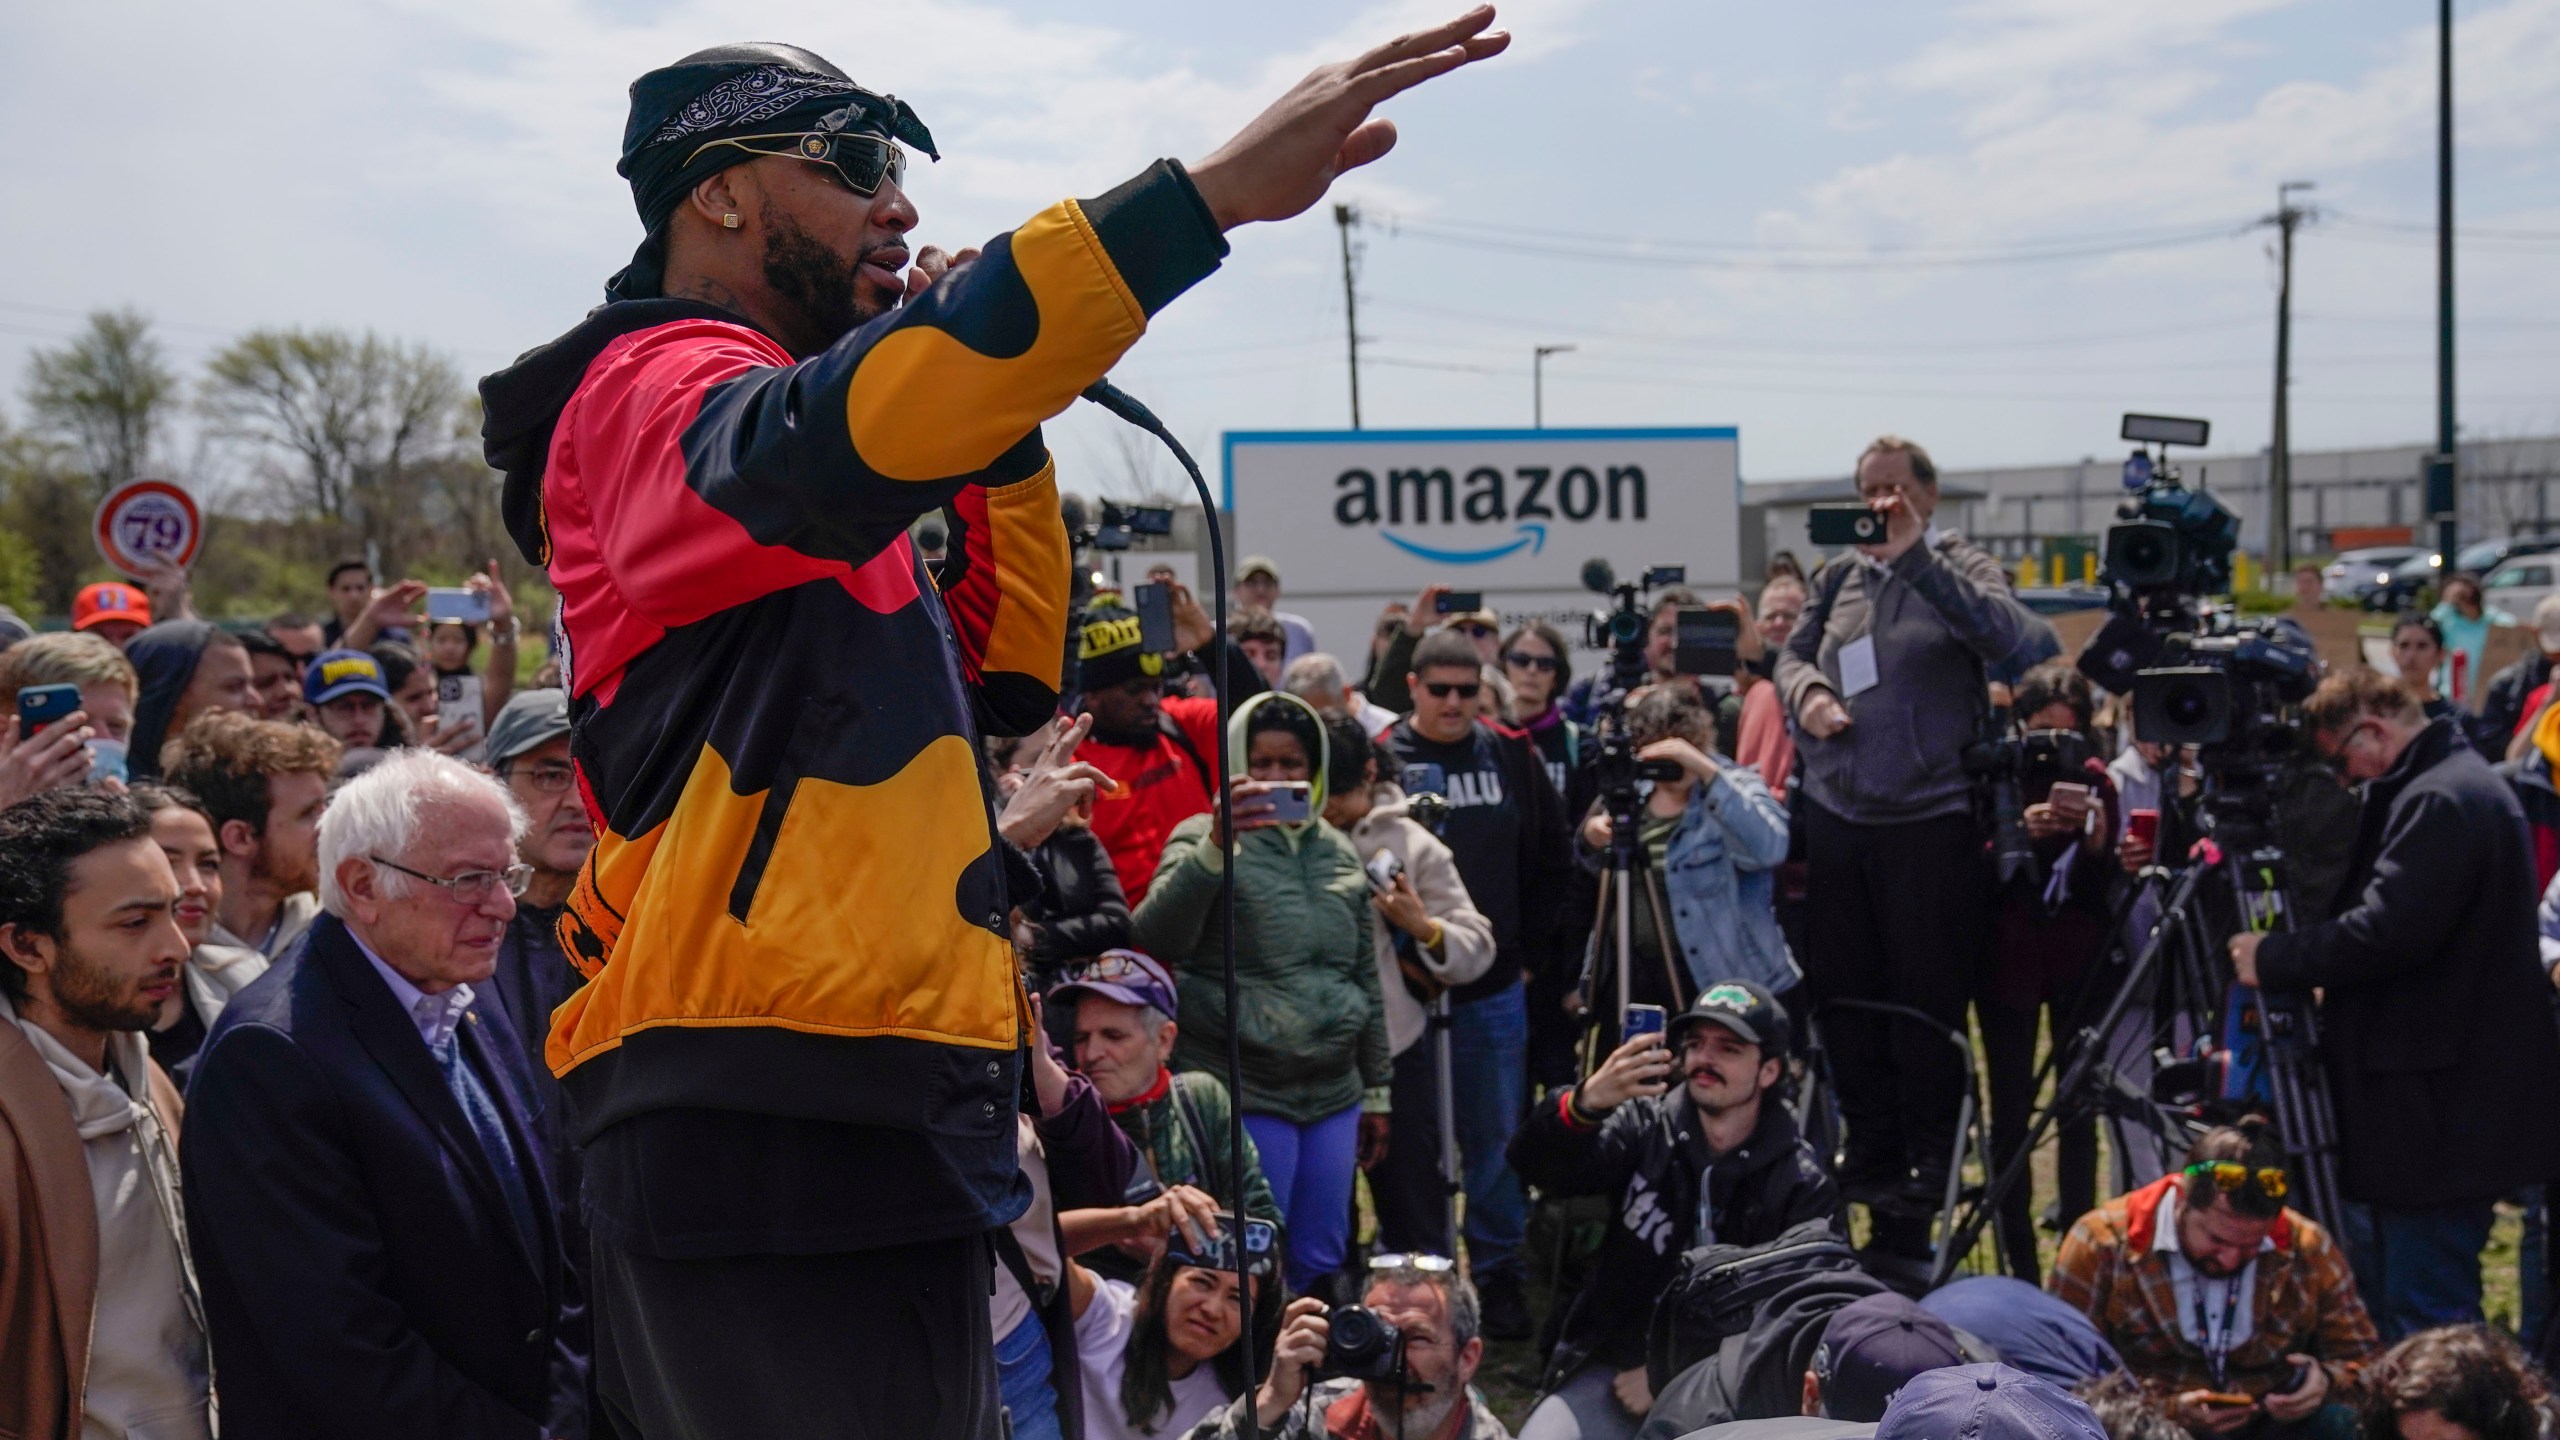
x,y
1467,789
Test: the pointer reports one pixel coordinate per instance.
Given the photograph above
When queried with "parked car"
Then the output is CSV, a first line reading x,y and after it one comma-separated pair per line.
x,y
2519,584
2482,556
2407,580
2357,573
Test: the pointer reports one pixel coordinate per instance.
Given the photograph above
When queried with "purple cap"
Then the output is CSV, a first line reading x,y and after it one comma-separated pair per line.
x,y
1986,1402
1131,977
1872,1348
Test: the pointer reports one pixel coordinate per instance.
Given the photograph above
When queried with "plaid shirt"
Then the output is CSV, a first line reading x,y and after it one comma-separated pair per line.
x,y
2303,1302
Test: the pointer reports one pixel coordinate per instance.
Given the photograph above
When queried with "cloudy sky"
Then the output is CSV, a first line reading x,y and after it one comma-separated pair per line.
x,y
1993,225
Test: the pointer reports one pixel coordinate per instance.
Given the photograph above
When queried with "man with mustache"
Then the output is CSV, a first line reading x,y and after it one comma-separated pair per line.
x,y
1689,1130
2234,1312
103,1334
794,1065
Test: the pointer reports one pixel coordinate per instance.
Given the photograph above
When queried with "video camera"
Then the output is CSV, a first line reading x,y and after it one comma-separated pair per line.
x,y
2199,674
1119,526
1622,631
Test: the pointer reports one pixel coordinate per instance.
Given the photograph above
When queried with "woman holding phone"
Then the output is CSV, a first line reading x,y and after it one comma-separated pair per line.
x,y
1311,1028
2053,921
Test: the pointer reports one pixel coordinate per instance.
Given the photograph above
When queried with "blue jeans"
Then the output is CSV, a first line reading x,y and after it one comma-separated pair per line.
x,y
2420,1268
1023,1381
1310,1169
1489,1070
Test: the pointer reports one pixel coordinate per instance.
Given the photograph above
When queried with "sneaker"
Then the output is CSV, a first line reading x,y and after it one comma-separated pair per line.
x,y
1502,1309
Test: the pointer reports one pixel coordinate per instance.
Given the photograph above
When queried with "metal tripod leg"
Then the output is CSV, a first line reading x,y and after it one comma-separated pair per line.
x,y
1452,1176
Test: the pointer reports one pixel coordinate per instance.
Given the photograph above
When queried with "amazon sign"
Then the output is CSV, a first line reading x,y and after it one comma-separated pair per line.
x,y
1354,517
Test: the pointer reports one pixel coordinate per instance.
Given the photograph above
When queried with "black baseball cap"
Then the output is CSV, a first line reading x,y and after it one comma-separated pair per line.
x,y
1744,1007
1872,1348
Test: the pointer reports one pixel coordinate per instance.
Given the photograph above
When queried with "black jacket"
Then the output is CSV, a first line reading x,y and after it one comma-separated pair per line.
x,y
1650,1153
2502,709
1081,909
2437,1015
361,1275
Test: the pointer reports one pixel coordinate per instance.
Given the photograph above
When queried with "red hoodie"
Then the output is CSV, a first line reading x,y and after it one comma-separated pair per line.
x,y
1162,785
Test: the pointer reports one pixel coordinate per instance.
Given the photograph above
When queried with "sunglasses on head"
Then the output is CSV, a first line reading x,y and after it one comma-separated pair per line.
x,y
1523,660
2229,1175
1443,689
1427,1264
860,159
1108,967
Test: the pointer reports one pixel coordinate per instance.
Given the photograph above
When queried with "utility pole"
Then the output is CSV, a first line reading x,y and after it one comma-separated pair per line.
x,y
2280,451
1344,217
2442,505
1538,383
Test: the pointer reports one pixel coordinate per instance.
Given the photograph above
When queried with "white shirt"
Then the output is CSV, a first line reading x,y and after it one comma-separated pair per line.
x,y
2238,1294
436,1016
1102,1343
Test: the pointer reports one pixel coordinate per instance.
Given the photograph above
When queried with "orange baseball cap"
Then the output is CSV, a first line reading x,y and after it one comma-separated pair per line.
x,y
107,600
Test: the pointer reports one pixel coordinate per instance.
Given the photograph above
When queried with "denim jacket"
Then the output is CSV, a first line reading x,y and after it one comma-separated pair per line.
x,y
1719,874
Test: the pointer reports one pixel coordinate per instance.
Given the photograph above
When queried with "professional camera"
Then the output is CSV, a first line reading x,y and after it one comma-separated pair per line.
x,y
1621,630
2005,769
2170,540
1360,1346
1119,526
2220,688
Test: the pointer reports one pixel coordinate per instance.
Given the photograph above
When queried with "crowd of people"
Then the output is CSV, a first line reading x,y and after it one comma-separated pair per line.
x,y
810,1004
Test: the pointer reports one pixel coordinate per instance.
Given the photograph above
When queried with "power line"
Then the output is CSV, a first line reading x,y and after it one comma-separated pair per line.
x,y
1663,256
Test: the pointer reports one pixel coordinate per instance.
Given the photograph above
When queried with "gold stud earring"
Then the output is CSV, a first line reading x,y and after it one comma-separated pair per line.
x,y
728,222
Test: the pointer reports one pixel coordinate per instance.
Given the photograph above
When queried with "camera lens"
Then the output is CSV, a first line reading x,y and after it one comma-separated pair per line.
x,y
2187,705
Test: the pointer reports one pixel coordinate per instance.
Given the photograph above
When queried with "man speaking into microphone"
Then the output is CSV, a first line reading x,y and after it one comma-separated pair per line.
x,y
794,1065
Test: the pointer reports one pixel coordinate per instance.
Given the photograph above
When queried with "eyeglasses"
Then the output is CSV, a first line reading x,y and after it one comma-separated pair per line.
x,y
471,887
861,161
1523,660
1443,689
1110,967
551,779
1475,632
1427,1264
2228,1175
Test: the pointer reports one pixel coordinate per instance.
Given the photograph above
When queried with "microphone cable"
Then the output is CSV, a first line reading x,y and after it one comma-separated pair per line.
x,y
1121,403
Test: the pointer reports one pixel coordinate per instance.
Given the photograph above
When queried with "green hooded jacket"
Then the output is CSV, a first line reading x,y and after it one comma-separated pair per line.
x,y
1314,1028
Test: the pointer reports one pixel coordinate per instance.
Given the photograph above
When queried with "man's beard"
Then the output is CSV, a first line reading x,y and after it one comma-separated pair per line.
x,y
263,867
85,994
1420,1416
823,285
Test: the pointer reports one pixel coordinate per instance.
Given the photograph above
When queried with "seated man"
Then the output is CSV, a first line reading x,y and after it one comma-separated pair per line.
x,y
1434,1313
1123,1004
2218,1297
1716,1161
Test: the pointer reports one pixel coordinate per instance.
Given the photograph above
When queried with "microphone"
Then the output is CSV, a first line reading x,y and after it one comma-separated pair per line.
x,y
1598,576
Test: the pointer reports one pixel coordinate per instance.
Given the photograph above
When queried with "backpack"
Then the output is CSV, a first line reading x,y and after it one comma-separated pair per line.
x,y
1172,730
1719,1288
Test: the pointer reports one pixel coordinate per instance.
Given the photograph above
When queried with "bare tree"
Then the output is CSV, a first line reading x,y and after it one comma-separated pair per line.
x,y
108,392
352,417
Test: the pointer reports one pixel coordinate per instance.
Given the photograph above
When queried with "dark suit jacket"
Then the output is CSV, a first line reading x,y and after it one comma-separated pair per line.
x,y
361,1275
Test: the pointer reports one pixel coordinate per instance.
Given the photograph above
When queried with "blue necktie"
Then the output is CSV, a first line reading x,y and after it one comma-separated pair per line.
x,y
482,1112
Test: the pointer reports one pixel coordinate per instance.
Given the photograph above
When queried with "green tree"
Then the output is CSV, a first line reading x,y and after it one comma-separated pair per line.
x,y
108,392
350,420
46,506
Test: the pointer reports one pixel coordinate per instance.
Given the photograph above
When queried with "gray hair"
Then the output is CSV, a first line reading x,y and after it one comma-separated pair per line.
x,y
382,811
1457,1295
1316,676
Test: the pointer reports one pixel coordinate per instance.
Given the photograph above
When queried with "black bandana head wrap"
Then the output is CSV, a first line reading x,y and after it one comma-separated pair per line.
x,y
721,93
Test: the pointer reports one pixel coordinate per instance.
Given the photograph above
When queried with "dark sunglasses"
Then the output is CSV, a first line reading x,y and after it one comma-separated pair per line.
x,y
1443,689
859,159
2230,1175
1523,660
1475,632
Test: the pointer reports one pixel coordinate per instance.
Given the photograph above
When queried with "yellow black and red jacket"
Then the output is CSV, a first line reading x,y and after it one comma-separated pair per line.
x,y
793,921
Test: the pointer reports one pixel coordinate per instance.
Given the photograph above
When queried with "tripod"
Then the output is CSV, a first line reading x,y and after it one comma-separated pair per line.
x,y
2262,1051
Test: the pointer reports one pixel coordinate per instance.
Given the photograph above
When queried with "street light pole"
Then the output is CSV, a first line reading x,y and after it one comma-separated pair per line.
x,y
2280,453
1538,383
1344,217
2442,505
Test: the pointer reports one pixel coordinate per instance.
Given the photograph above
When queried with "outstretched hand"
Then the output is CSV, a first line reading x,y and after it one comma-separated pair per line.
x,y
1288,156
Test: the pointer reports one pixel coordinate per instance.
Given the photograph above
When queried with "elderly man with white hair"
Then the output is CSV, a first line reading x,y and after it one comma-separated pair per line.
x,y
1320,680
372,1207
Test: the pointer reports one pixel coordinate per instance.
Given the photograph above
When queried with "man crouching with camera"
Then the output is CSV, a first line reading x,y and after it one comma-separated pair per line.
x,y
1401,1367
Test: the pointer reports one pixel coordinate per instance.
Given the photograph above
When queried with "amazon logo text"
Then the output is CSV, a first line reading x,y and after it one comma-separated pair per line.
x,y
1527,496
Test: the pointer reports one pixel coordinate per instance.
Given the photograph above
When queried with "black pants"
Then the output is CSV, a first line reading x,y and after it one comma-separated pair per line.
x,y
1899,913
889,1343
2009,1068
1406,1189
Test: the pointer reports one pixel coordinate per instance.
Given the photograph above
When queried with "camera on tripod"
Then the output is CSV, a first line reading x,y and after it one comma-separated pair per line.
x,y
1622,630
1119,526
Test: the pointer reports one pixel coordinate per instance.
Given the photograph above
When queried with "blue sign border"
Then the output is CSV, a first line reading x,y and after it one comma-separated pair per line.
x,y
1228,441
